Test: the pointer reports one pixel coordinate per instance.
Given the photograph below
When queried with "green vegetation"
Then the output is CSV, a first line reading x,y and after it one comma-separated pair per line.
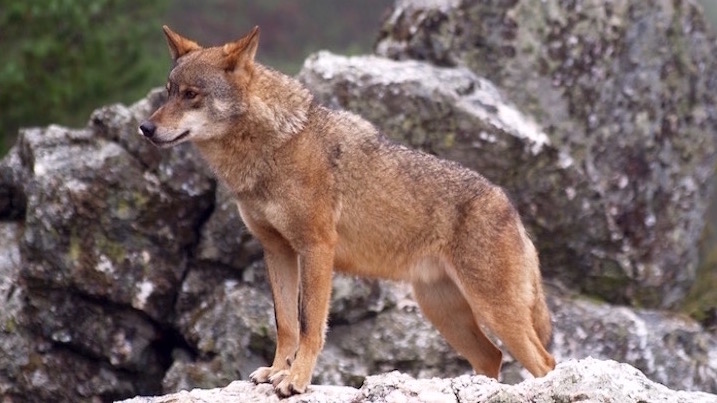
x,y
62,58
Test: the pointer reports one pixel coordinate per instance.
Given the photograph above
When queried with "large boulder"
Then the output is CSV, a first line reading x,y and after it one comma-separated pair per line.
x,y
104,225
96,213
625,91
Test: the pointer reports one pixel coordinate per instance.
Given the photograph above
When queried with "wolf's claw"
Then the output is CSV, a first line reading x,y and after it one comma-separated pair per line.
x,y
261,375
288,387
277,377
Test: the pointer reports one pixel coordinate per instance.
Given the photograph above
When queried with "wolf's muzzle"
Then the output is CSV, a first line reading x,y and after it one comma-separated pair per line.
x,y
148,129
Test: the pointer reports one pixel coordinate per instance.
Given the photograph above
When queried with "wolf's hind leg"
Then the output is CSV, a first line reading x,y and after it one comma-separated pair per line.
x,y
508,308
497,269
444,305
514,326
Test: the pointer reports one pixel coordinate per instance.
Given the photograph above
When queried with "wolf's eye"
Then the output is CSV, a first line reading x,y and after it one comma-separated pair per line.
x,y
189,95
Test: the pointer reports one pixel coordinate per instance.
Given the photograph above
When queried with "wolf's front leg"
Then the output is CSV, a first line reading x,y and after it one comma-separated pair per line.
x,y
283,271
315,268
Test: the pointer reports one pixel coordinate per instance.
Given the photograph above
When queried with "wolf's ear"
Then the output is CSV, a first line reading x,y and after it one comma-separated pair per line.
x,y
178,45
241,53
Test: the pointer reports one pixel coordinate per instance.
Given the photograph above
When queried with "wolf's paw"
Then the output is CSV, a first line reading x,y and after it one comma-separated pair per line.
x,y
278,376
291,385
261,375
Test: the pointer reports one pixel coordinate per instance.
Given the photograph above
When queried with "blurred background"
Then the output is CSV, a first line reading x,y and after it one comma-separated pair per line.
x,y
60,59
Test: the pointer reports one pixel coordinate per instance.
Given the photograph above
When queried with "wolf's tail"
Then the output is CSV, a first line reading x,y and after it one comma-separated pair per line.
x,y
541,315
540,312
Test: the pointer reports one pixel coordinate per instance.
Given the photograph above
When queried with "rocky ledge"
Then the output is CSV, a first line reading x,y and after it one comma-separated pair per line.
x,y
587,380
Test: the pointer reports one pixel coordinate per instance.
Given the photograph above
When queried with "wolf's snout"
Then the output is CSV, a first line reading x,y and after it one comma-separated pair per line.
x,y
148,129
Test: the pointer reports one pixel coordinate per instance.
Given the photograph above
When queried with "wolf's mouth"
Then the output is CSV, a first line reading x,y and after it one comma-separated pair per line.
x,y
172,141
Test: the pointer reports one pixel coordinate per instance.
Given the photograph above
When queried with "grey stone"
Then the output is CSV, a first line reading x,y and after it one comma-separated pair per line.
x,y
97,215
14,343
627,92
669,348
572,381
397,337
188,374
230,325
33,368
122,337
96,262
354,299
224,237
12,197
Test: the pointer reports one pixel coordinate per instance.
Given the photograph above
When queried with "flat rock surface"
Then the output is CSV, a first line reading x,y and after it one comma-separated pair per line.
x,y
587,380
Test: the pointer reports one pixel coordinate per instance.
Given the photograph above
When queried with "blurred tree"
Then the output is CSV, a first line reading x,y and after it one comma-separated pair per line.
x,y
62,58
59,59
290,29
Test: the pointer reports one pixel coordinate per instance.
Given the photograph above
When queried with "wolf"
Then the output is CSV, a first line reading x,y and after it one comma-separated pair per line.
x,y
323,190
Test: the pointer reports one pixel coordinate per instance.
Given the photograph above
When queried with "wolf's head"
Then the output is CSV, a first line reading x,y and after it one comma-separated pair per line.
x,y
206,90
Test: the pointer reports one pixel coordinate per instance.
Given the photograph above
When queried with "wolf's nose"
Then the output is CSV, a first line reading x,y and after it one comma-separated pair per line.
x,y
148,128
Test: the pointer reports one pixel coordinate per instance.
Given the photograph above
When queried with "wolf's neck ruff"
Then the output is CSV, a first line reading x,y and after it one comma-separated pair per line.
x,y
271,119
281,106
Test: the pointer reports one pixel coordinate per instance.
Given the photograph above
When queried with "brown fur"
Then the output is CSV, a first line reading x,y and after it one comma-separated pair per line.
x,y
322,189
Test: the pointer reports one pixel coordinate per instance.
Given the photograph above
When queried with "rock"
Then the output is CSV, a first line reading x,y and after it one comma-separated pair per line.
x,y
97,215
224,238
624,91
14,344
244,391
230,324
122,337
34,368
701,303
104,228
668,348
572,381
396,338
400,338
354,299
227,319
12,197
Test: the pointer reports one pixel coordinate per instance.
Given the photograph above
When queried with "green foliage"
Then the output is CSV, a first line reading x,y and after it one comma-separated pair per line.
x,y
62,58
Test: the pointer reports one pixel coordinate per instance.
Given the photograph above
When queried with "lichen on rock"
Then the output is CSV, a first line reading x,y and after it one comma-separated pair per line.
x,y
626,91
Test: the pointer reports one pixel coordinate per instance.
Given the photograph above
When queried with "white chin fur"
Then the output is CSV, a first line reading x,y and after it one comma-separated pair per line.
x,y
171,140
